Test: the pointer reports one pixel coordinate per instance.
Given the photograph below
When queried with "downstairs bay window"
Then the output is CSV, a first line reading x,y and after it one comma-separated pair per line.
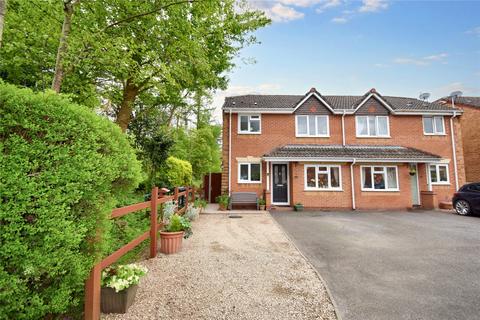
x,y
249,173
379,178
322,177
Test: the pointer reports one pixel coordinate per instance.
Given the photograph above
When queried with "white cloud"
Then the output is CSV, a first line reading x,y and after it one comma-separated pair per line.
x,y
328,4
474,31
277,11
381,65
300,3
339,20
373,5
423,61
446,89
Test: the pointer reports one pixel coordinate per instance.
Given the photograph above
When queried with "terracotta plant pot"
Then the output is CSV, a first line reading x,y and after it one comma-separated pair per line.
x,y
171,242
117,302
222,207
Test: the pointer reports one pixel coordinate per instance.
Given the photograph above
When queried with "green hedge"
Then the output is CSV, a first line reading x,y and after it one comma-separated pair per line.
x,y
177,172
61,169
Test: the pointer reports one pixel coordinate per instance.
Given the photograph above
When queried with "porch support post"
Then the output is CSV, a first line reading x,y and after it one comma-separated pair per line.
x,y
354,206
268,175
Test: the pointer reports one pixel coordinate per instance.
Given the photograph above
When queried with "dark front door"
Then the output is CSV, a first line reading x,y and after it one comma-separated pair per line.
x,y
280,183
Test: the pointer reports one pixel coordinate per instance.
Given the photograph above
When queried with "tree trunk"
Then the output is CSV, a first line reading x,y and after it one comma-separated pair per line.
x,y
3,11
63,45
124,114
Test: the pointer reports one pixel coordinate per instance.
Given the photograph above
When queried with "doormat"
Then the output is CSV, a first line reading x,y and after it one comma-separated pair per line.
x,y
235,217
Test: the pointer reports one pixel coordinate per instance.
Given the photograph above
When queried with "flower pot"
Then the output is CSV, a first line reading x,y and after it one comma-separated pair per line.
x,y
262,207
298,207
222,207
117,302
171,242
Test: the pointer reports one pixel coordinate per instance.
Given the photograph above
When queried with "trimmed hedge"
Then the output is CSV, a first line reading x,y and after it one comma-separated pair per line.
x,y
61,169
178,172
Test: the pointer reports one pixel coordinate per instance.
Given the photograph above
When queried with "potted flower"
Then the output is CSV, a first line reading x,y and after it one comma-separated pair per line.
x,y
200,204
262,203
119,287
223,202
412,170
298,206
174,232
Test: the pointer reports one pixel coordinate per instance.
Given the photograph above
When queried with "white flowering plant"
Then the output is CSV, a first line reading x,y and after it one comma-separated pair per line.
x,y
169,209
122,276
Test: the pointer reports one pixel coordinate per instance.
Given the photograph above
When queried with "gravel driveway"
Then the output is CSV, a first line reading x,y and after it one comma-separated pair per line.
x,y
232,269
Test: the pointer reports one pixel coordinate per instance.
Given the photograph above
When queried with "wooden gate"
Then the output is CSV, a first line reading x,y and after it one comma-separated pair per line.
x,y
212,186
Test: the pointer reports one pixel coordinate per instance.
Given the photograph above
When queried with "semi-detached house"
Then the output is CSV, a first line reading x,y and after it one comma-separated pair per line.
x,y
349,152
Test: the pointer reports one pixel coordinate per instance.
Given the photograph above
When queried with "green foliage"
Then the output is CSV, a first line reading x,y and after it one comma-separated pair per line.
x,y
62,167
200,147
223,199
178,223
177,172
123,276
261,202
200,203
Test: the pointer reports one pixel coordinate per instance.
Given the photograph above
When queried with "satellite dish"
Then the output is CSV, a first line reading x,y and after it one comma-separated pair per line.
x,y
424,96
456,94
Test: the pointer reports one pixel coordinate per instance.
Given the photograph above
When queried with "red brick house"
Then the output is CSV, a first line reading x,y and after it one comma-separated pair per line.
x,y
350,152
470,134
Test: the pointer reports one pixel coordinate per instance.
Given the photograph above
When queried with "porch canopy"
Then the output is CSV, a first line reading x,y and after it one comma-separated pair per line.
x,y
349,153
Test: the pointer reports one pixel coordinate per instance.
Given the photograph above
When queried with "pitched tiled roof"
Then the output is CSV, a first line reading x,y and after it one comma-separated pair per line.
x,y
469,101
337,102
360,152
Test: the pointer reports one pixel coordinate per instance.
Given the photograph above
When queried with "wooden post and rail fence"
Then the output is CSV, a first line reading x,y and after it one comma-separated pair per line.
x,y
92,285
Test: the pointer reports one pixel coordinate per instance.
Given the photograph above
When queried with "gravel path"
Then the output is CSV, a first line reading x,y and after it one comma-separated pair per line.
x,y
231,269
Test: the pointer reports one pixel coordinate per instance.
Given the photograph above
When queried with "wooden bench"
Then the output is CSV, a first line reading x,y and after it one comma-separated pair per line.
x,y
243,198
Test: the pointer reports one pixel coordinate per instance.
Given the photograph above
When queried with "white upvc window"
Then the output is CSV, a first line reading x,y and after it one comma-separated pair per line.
x,y
249,124
379,178
312,126
433,125
323,177
372,126
438,174
249,173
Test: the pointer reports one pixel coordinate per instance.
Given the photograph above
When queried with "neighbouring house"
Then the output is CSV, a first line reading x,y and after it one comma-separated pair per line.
x,y
469,121
342,152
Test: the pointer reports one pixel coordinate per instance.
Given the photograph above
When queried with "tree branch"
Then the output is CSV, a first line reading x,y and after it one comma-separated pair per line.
x,y
128,19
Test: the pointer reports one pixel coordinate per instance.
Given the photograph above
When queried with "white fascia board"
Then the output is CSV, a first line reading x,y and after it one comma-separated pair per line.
x,y
433,160
318,97
376,96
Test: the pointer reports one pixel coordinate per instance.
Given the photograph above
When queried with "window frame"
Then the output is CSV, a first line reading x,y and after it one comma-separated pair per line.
x,y
308,135
385,171
437,169
434,126
358,135
328,166
240,131
239,177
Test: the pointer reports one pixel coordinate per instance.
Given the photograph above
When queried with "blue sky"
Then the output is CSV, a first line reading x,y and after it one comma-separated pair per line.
x,y
347,47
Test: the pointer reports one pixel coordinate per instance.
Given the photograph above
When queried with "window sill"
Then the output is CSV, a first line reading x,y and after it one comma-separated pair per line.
x,y
302,136
380,190
249,182
440,183
374,137
239,132
434,134
321,190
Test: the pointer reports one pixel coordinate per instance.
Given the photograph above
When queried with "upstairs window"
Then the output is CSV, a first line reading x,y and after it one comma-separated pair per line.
x,y
438,174
249,124
433,125
249,173
312,126
372,126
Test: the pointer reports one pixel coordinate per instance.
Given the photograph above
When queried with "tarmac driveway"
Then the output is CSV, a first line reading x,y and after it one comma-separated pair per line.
x,y
393,265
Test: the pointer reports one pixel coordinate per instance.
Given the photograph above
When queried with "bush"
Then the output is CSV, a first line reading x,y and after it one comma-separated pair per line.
x,y
61,168
178,172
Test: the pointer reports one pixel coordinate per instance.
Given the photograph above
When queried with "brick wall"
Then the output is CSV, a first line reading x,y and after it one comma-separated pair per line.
x,y
471,141
279,130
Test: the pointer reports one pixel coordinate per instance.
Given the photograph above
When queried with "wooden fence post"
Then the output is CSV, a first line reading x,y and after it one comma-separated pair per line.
x,y
153,222
92,294
187,193
175,196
